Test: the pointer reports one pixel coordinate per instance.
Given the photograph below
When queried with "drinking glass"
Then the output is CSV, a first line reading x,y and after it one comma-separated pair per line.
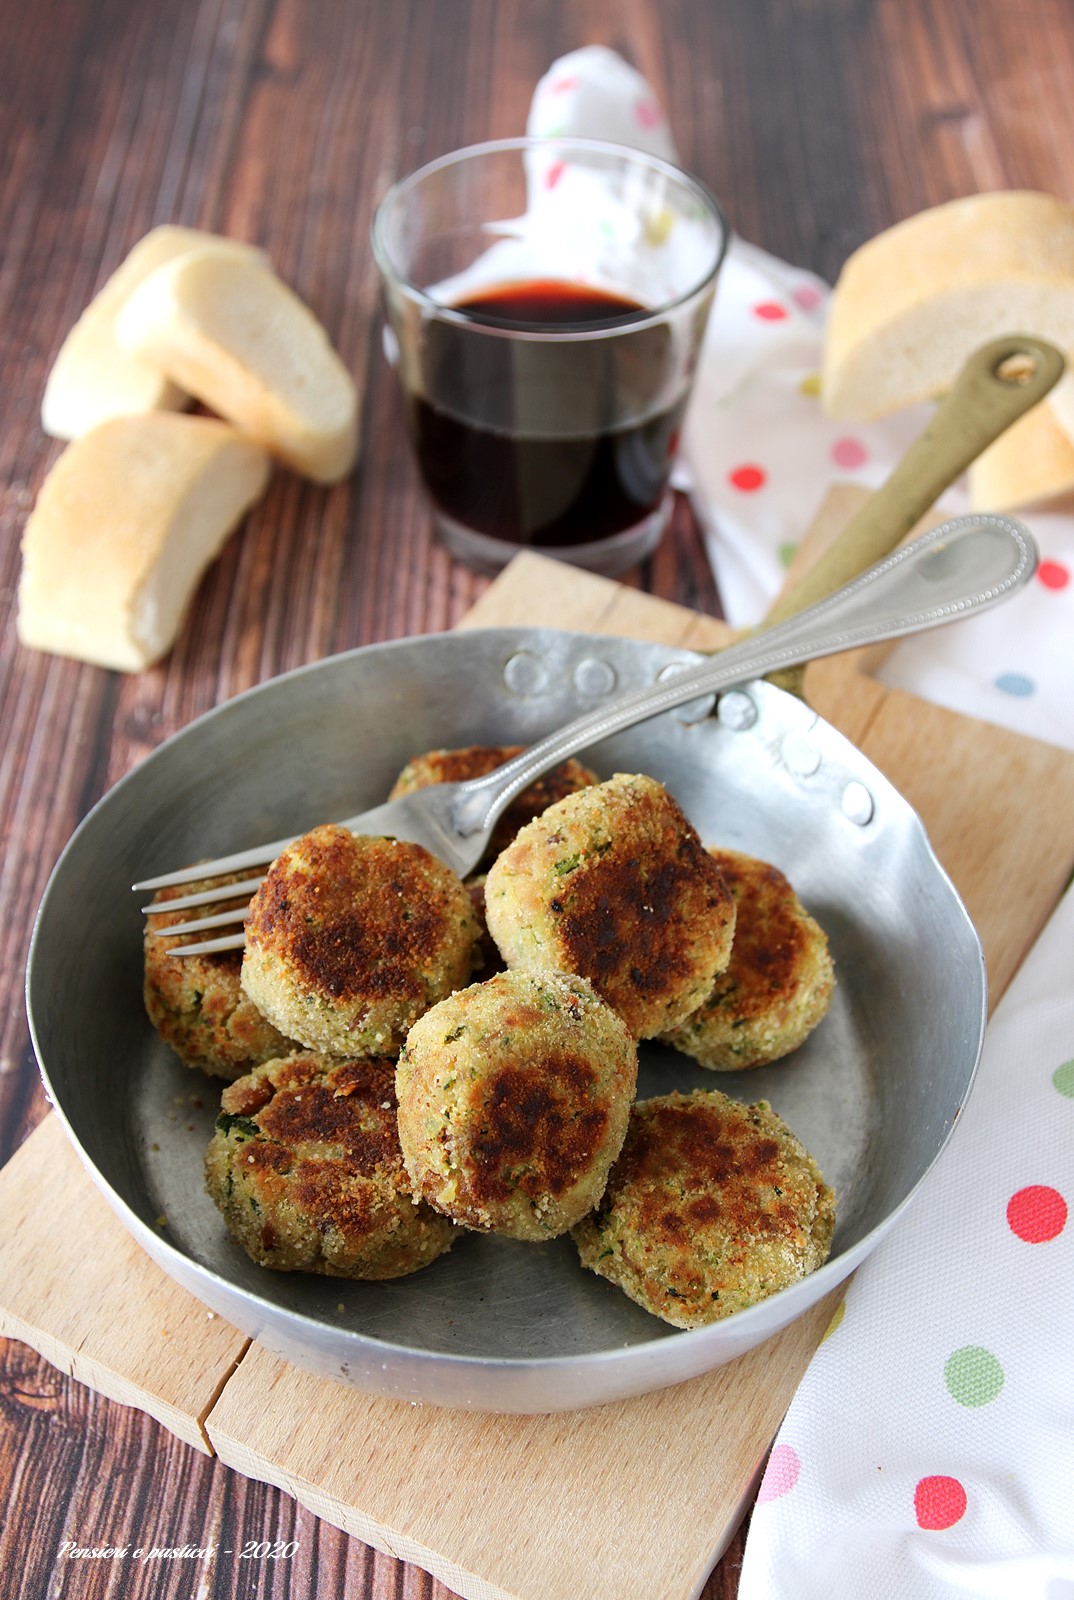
x,y
547,299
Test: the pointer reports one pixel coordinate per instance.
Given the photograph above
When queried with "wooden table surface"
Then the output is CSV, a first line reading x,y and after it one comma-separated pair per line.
x,y
817,122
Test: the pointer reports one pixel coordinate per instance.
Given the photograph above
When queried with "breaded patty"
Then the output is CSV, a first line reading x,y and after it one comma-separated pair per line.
x,y
196,1003
711,1206
474,761
613,882
350,938
487,958
306,1167
779,981
514,1096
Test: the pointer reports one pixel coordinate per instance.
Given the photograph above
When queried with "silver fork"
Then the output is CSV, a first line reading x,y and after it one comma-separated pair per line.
x,y
963,566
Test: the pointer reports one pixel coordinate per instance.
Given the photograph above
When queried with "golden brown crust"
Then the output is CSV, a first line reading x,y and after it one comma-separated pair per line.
x,y
196,1003
778,984
477,760
513,1101
614,883
349,939
306,1168
711,1206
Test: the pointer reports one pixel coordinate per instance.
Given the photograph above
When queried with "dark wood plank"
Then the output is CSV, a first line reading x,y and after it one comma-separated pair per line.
x,y
281,121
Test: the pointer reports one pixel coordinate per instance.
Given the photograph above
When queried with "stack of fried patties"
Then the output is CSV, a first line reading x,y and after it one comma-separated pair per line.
x,y
384,1104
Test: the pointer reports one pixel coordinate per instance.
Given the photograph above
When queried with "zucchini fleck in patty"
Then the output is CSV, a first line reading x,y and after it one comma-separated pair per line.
x,y
196,1003
514,1096
349,939
711,1206
306,1168
613,883
778,984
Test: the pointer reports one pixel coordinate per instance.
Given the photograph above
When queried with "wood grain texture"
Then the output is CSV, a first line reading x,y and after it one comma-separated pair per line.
x,y
816,121
675,1462
133,1349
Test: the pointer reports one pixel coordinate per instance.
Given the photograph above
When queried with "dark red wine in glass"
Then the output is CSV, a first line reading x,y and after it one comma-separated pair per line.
x,y
548,442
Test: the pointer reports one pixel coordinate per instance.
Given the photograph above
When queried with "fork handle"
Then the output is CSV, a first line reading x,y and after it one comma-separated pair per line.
x,y
998,384
961,567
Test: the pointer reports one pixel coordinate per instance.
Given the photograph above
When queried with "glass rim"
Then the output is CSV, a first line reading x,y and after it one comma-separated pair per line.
x,y
520,144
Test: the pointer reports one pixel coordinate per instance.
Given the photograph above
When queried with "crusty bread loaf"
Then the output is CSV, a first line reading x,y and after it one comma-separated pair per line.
x,y
232,334
912,304
1061,400
1032,464
125,524
93,378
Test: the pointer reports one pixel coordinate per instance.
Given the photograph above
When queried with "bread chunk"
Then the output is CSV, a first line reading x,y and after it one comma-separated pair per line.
x,y
1032,463
127,521
93,378
230,332
912,304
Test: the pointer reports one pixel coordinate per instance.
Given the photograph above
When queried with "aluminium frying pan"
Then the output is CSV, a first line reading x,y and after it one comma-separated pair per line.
x,y
497,1324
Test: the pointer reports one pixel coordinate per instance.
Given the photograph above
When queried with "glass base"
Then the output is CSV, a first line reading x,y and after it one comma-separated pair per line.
x,y
610,557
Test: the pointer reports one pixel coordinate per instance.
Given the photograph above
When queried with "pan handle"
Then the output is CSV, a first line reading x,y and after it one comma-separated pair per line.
x,y
998,384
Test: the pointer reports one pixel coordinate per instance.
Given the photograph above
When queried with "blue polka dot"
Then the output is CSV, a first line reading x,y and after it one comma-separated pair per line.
x,y
1016,683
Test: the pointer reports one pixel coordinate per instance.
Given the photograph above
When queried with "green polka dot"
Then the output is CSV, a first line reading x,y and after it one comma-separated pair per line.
x,y
787,553
1063,1078
973,1376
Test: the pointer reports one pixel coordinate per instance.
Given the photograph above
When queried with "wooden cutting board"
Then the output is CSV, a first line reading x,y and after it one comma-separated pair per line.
x,y
635,1498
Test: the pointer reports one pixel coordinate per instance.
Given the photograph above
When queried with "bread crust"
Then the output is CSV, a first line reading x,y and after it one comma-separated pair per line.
x,y
126,523
914,302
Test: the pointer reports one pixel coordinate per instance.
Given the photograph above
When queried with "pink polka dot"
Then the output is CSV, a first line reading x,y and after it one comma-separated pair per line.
x,y
781,1473
807,296
1037,1213
770,311
648,113
1053,574
748,478
561,85
939,1502
849,453
554,173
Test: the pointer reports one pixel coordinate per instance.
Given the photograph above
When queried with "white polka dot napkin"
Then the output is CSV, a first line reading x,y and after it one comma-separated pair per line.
x,y
927,1454
760,455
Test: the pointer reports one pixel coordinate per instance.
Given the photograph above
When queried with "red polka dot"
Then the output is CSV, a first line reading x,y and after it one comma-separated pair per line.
x,y
939,1502
1053,574
781,1473
648,113
1037,1213
849,453
807,295
561,85
554,173
770,311
748,478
